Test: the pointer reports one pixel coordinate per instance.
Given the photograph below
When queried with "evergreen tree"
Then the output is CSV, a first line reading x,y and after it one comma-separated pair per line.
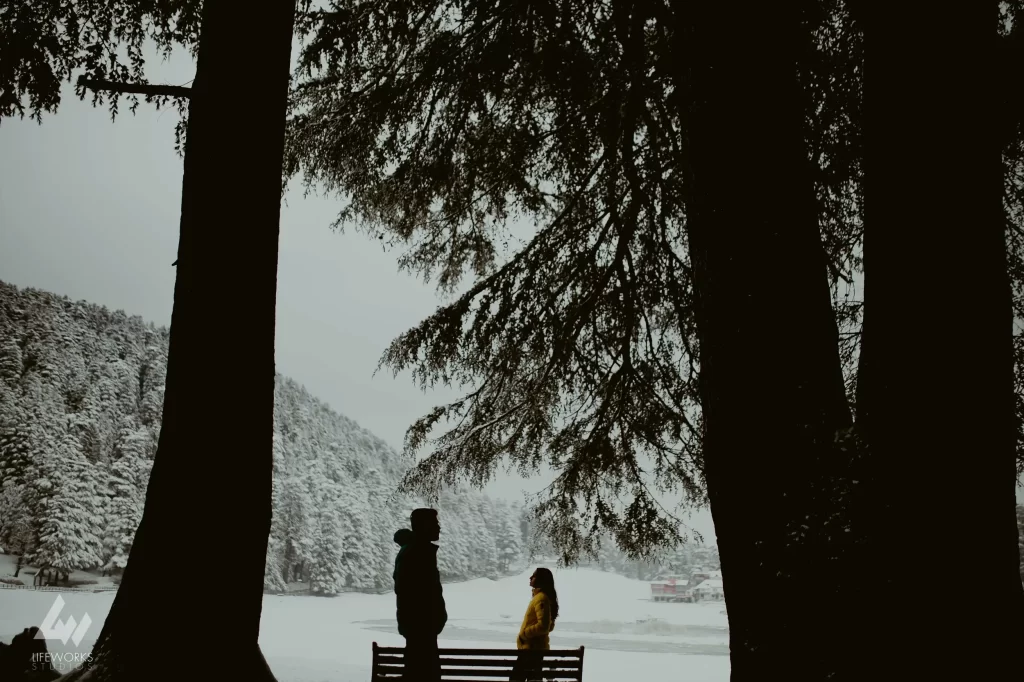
x,y
68,537
327,563
273,580
645,271
126,497
17,524
508,539
47,45
152,375
17,439
10,359
358,538
950,120
481,516
298,525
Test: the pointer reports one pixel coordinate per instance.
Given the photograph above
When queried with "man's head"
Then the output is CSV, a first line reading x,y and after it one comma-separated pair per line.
x,y
425,524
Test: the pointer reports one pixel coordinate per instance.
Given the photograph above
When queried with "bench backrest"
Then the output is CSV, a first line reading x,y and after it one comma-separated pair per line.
x,y
466,665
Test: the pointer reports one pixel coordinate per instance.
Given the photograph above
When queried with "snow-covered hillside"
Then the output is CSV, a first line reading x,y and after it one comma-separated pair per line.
x,y
81,393
306,639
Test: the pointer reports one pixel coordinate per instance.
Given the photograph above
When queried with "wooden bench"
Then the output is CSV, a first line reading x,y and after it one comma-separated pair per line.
x,y
475,665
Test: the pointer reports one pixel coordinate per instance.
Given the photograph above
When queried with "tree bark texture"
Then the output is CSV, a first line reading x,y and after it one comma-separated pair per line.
x,y
213,466
935,397
771,381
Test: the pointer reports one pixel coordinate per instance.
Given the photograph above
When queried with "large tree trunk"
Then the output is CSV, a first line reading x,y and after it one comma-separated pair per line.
x,y
771,381
209,493
935,392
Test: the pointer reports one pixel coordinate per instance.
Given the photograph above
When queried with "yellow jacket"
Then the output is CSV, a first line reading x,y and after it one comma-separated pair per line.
x,y
537,623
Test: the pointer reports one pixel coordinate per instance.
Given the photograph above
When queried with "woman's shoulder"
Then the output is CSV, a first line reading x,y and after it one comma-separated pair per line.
x,y
540,596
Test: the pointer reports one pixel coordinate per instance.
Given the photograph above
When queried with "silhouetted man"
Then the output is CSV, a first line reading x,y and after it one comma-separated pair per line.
x,y
421,612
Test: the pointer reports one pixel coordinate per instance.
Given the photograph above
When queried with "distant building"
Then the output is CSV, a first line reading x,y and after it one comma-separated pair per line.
x,y
711,589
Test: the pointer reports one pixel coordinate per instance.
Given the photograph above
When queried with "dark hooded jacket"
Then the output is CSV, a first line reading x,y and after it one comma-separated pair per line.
x,y
403,536
418,594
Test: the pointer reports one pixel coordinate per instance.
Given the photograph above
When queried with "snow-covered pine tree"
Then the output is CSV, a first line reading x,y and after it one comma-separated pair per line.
x,y
10,360
273,576
455,556
483,533
17,525
382,522
126,490
152,375
274,568
17,439
508,538
297,524
97,423
326,574
358,556
68,537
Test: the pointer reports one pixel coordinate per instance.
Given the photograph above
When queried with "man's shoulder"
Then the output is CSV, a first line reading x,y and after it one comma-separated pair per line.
x,y
421,548
415,553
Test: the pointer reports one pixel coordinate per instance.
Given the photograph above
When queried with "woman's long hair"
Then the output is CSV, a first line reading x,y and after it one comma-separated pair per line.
x,y
545,582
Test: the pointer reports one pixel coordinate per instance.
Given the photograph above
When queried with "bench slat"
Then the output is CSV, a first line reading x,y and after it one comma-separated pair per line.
x,y
546,653
483,665
493,663
478,672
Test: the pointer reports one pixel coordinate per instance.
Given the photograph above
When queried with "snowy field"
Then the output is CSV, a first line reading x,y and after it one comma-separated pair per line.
x,y
315,639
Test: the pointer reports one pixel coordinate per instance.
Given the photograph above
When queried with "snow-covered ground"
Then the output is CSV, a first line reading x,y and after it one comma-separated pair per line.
x,y
315,639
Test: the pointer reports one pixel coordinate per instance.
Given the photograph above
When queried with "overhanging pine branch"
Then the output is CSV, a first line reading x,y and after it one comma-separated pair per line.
x,y
135,88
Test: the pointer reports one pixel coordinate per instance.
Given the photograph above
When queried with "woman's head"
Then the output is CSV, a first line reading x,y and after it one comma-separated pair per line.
x,y
543,580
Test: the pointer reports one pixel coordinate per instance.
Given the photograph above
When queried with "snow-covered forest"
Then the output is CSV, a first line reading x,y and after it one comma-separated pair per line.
x,y
81,392
684,559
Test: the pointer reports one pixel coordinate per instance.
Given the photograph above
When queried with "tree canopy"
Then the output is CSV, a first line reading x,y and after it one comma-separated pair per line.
x,y
44,45
580,348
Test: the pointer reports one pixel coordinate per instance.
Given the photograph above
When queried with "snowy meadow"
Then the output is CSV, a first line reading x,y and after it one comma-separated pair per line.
x,y
318,639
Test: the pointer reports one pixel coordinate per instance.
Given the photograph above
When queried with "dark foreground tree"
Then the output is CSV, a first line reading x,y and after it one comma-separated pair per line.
x,y
580,347
640,138
577,347
1009,117
933,191
205,470
772,409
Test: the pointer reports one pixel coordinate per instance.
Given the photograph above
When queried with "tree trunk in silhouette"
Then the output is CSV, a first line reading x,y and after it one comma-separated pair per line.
x,y
771,381
935,392
209,493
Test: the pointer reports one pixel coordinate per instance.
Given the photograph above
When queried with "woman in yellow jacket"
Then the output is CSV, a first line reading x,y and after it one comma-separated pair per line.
x,y
537,623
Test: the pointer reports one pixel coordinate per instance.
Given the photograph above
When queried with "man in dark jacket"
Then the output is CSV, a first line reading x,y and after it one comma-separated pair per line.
x,y
419,597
